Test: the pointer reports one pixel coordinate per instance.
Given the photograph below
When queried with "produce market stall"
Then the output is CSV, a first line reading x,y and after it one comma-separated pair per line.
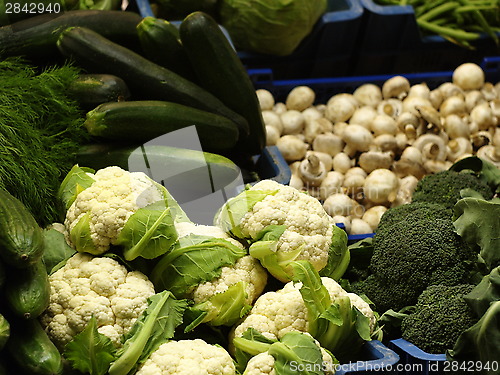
x,y
172,198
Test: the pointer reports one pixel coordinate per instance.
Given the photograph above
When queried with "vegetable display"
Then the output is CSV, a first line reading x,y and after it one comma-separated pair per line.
x,y
365,151
103,271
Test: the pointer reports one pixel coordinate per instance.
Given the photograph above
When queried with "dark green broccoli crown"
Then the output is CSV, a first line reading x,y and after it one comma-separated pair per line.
x,y
441,315
415,210
412,254
444,187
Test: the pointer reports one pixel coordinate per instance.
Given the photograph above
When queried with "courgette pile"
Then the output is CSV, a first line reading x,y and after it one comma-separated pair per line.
x,y
173,78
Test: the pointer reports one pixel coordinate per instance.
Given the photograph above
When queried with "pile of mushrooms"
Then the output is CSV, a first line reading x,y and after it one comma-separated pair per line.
x,y
364,152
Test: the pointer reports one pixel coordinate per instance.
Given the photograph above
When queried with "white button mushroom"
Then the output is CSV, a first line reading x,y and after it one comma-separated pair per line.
x,y
342,205
458,147
272,119
272,135
372,216
359,226
381,186
357,138
328,143
291,147
368,94
396,87
266,99
342,162
372,160
300,98
340,107
468,76
363,116
293,122
331,184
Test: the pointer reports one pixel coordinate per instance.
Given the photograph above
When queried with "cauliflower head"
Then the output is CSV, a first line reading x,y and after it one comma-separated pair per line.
x,y
99,286
108,203
188,357
276,313
309,228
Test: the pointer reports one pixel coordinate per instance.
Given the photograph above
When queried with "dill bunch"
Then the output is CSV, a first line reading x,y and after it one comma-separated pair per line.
x,y
41,129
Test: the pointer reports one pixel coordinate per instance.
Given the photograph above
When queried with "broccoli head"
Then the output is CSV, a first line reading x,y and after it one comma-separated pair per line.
x,y
444,187
440,316
415,210
412,254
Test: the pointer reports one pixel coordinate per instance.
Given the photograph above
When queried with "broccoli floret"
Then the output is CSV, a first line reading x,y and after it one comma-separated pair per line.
x,y
444,187
415,210
410,255
441,315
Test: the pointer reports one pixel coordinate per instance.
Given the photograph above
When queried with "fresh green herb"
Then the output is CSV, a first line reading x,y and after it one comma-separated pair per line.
x,y
40,130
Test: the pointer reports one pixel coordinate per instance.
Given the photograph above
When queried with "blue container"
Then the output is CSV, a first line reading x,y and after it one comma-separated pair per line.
x,y
414,361
391,41
377,359
325,88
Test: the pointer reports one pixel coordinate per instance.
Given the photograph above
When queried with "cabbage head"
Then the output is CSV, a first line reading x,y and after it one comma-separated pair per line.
x,y
273,27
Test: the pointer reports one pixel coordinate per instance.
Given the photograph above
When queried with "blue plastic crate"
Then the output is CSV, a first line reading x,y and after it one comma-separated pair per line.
x,y
327,87
392,42
377,359
414,361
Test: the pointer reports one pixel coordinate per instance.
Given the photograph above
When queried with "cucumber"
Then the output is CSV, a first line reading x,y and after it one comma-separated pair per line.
x,y
27,291
177,168
37,36
31,350
90,90
145,79
144,120
160,41
21,238
220,71
4,331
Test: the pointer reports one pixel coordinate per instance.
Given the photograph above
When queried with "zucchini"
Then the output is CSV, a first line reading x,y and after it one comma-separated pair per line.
x,y
27,291
160,41
31,349
90,90
145,79
21,238
178,168
37,36
220,71
144,120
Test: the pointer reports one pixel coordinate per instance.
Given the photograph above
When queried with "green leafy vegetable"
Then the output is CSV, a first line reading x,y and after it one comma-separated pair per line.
x,y
274,27
40,133
338,326
4,331
80,236
224,308
477,222
187,266
296,352
154,327
56,251
90,351
265,250
339,255
74,183
149,233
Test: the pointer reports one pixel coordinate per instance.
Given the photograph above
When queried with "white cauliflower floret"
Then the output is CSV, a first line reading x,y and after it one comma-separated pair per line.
x,y
261,364
246,269
110,201
188,357
276,313
97,286
308,224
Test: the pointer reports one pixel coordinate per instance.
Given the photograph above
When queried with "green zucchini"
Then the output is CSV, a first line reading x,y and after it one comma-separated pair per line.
x,y
37,36
21,238
160,41
27,291
90,90
220,71
172,165
144,120
145,79
31,349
